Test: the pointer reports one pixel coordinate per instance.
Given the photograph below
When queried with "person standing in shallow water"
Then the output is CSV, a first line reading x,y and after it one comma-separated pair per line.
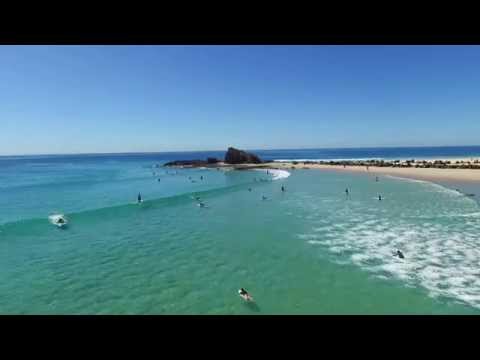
x,y
380,197
139,198
347,193
283,188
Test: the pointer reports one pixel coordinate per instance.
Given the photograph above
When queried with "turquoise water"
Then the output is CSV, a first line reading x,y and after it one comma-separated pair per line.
x,y
309,250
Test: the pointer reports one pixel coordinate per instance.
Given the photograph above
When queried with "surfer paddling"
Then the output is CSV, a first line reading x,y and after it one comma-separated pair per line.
x,y
245,295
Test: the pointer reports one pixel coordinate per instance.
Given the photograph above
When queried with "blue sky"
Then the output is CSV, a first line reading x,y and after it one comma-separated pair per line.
x,y
76,99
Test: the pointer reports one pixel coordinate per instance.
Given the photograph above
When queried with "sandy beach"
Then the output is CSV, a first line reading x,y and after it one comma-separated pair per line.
x,y
420,173
429,174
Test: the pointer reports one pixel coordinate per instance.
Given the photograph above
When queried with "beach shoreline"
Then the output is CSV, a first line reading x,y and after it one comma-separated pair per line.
x,y
435,174
466,181
428,174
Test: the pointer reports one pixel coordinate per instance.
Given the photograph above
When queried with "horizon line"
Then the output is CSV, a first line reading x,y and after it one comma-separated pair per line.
x,y
247,149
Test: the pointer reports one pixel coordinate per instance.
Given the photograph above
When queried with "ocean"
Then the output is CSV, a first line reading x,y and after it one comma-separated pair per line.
x,y
308,250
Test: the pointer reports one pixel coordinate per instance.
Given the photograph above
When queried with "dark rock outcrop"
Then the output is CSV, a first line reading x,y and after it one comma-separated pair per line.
x,y
212,160
235,156
186,163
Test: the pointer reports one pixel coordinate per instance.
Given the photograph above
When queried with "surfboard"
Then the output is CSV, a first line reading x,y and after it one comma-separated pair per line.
x,y
246,297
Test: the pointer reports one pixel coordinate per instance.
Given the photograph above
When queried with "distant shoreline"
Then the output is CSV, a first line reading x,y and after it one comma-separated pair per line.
x,y
457,169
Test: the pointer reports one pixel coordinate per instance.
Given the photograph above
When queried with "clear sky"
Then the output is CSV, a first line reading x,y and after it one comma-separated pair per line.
x,y
77,99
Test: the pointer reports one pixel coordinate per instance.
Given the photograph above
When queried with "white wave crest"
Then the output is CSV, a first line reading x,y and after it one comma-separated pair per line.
x,y
276,173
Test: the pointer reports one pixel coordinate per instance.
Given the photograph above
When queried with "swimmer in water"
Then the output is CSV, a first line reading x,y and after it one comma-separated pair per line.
x,y
249,189
264,197
376,178
245,295
201,177
201,204
283,188
347,192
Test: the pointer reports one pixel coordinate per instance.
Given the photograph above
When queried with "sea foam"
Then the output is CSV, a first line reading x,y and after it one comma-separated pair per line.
x,y
441,255
276,173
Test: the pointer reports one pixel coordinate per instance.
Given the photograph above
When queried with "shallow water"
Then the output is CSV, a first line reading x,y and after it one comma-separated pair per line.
x,y
309,250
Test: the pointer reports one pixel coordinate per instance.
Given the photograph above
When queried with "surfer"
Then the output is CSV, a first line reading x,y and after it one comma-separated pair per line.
x,y
245,295
379,197
399,254
201,204
139,198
